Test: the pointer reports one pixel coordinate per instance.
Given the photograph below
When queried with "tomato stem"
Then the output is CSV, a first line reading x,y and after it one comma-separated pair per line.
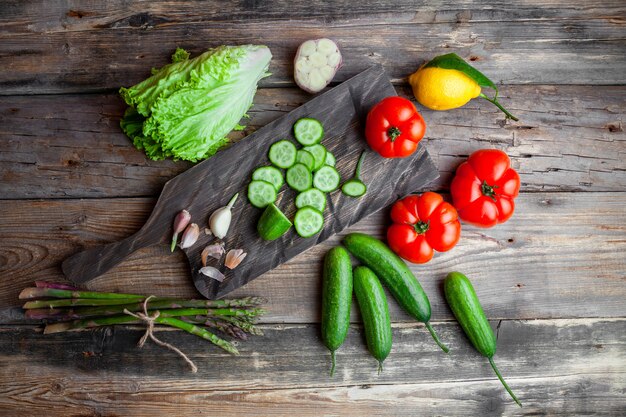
x,y
495,102
495,369
421,227
393,133
489,190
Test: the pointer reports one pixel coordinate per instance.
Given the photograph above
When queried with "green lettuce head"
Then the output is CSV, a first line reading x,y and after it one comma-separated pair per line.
x,y
186,109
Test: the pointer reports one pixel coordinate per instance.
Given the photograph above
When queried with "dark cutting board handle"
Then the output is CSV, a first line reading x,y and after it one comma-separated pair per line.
x,y
91,263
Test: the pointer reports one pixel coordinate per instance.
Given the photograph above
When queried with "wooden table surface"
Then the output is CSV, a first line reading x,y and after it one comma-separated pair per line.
x,y
552,280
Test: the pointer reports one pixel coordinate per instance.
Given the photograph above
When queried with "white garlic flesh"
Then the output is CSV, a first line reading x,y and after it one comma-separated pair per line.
x,y
316,63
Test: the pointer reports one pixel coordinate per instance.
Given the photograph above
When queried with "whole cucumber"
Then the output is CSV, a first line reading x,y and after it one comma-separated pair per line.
x,y
464,304
392,270
375,313
336,300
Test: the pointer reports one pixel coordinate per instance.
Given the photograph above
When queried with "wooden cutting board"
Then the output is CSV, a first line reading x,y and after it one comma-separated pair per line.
x,y
210,184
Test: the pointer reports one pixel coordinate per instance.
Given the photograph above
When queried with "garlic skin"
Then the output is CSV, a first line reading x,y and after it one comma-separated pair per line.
x,y
219,222
181,221
190,236
234,258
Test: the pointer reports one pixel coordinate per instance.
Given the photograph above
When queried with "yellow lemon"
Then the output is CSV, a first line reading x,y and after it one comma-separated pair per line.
x,y
443,89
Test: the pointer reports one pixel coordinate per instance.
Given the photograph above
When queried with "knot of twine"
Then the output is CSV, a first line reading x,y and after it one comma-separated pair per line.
x,y
149,320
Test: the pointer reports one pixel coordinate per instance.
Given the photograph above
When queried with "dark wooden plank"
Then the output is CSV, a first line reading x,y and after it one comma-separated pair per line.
x,y
556,367
59,48
209,185
570,138
559,256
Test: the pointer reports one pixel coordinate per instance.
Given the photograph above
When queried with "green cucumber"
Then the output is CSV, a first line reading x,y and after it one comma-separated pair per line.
x,y
319,155
313,198
336,300
261,193
464,304
308,131
269,174
273,223
282,154
305,157
394,273
354,187
308,221
375,312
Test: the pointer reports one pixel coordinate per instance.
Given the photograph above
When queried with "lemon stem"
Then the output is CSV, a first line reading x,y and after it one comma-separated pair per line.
x,y
494,101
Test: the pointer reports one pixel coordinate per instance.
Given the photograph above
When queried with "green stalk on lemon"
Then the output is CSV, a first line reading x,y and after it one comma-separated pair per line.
x,y
448,82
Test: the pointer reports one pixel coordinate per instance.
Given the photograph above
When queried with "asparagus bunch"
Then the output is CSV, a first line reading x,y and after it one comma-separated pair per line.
x,y
65,308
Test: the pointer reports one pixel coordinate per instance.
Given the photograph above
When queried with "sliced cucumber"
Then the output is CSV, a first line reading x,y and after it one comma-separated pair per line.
x,y
319,153
299,177
306,158
353,188
273,223
308,131
261,193
283,154
311,198
330,159
269,174
308,221
326,179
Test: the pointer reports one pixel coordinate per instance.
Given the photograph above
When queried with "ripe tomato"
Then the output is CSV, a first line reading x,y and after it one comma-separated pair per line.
x,y
394,127
484,188
421,225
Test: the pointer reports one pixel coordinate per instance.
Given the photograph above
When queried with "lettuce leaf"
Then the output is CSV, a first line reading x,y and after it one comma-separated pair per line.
x,y
186,109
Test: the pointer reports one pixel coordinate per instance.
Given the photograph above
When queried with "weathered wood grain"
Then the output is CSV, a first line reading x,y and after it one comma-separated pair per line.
x,y
56,47
561,255
556,367
209,185
570,138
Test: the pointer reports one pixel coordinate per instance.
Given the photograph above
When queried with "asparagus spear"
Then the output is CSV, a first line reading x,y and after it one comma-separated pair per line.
x,y
166,318
154,304
60,314
125,318
47,292
69,302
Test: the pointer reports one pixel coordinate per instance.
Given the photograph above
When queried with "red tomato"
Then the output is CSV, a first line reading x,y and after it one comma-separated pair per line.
x,y
421,225
394,127
484,188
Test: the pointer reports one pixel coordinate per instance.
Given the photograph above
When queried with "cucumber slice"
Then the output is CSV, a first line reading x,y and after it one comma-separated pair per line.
x,y
308,131
308,221
311,198
283,154
319,153
330,159
273,223
269,174
326,179
306,158
261,193
299,177
353,188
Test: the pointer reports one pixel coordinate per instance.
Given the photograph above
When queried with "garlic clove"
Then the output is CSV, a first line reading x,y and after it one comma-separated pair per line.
x,y
212,272
190,236
181,221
